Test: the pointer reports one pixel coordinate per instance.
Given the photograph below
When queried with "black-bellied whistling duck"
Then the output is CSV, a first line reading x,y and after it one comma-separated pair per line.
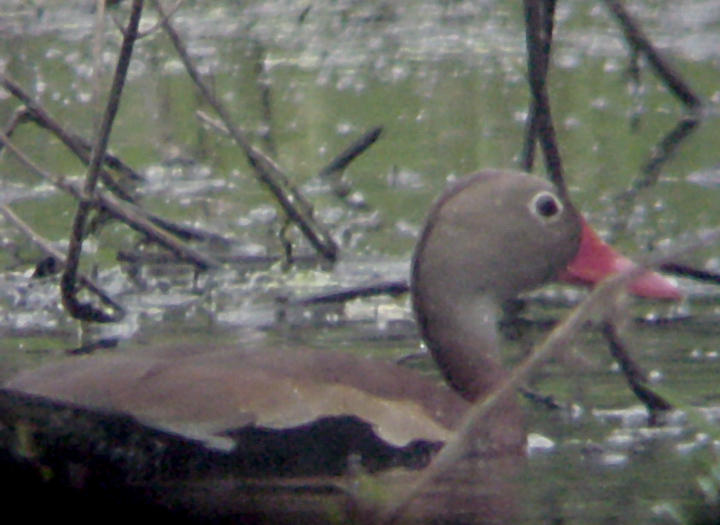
x,y
489,237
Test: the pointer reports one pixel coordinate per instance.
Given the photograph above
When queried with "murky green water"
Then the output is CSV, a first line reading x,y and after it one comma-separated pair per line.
x,y
446,80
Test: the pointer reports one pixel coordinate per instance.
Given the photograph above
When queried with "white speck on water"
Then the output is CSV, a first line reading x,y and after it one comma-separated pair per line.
x,y
599,103
343,128
576,411
686,447
634,416
613,459
538,444
655,376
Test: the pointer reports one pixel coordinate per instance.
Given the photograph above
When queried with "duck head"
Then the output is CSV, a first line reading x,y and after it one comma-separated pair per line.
x,y
488,238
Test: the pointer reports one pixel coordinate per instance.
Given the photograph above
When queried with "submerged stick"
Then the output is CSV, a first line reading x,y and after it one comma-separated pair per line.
x,y
392,288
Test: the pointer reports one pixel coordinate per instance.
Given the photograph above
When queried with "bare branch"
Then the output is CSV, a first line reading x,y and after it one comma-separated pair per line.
x,y
68,280
531,122
637,38
537,70
266,171
74,142
634,374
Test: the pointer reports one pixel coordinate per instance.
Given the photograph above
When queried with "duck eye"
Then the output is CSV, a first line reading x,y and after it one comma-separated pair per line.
x,y
545,205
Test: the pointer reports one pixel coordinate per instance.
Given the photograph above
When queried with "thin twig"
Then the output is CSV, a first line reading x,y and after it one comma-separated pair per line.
x,y
20,116
685,270
97,47
531,122
333,170
157,25
351,152
650,172
263,86
637,38
537,70
265,169
634,374
68,284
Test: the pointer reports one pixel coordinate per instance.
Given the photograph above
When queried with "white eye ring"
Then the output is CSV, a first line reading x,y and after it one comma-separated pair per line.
x,y
546,206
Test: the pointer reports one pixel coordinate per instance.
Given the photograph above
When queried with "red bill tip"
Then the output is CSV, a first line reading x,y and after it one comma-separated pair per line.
x,y
596,260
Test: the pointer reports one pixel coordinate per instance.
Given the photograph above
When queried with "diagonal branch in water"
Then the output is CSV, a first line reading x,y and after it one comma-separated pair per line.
x,y
639,41
78,145
135,217
296,207
33,111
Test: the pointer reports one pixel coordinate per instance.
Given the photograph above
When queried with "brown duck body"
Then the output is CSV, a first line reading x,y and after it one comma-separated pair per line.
x,y
488,238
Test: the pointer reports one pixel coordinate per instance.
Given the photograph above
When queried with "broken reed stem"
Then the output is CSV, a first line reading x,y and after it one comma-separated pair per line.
x,y
351,152
51,251
68,281
537,71
332,172
667,73
600,300
298,210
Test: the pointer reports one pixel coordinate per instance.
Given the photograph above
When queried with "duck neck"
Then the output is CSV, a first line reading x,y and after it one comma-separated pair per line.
x,y
462,337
